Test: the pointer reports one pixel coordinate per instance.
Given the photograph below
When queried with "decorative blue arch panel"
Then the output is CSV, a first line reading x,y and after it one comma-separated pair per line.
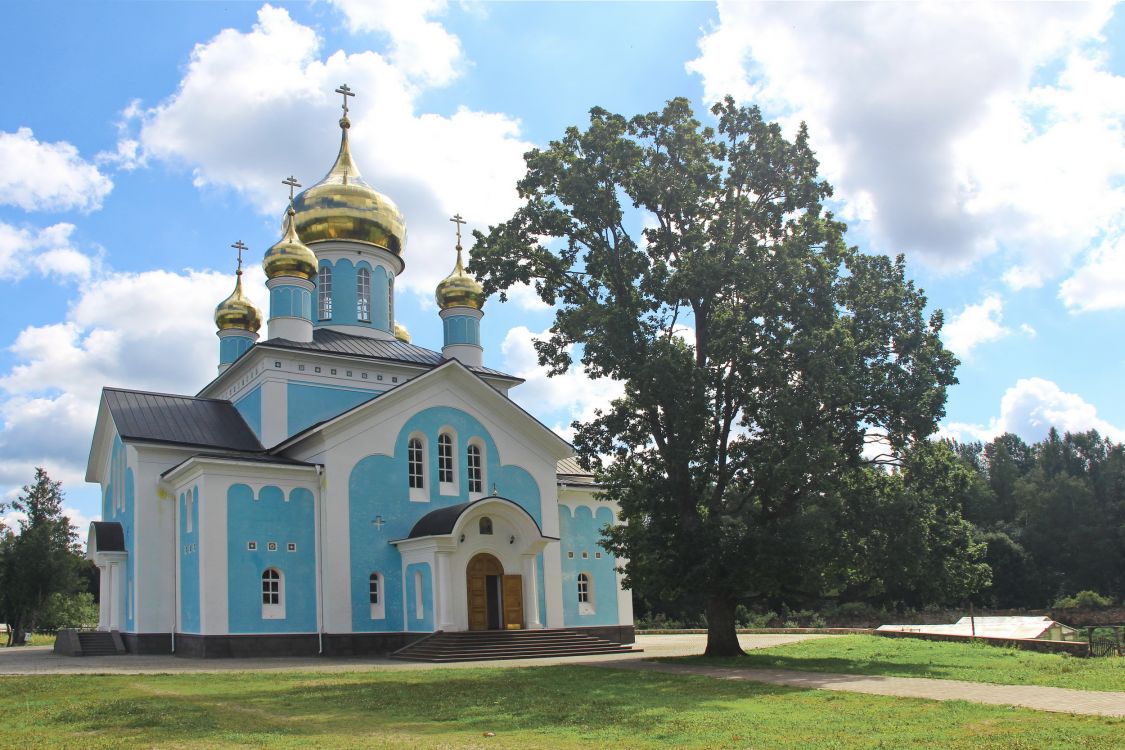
x,y
189,561
118,504
581,533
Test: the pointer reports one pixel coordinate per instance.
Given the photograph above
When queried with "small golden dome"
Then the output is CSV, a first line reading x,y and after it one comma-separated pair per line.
x,y
237,312
459,289
343,206
290,256
401,333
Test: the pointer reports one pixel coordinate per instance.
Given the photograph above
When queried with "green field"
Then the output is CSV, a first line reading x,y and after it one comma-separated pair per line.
x,y
910,657
541,707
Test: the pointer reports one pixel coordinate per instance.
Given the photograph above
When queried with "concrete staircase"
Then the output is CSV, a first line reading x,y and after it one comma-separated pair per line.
x,y
507,644
73,642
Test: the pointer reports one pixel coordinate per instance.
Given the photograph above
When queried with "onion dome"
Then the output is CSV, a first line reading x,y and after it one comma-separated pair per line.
x,y
459,289
343,206
237,312
290,256
401,333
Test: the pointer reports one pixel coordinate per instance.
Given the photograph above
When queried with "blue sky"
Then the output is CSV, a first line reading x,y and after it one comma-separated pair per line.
x,y
139,140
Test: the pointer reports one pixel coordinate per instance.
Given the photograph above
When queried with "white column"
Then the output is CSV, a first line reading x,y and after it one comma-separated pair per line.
x,y
105,592
443,593
530,593
115,601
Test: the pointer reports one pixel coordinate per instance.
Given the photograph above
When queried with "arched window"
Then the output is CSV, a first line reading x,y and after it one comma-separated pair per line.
x,y
473,464
375,595
324,293
414,455
445,458
583,588
485,525
273,594
363,295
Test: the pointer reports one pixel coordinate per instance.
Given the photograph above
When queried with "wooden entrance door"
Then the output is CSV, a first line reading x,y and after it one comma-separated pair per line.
x,y
513,602
482,567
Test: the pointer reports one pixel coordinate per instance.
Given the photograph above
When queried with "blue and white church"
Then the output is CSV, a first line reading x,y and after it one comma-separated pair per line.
x,y
337,489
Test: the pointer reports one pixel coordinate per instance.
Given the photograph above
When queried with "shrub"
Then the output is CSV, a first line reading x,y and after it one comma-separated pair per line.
x,y
1084,600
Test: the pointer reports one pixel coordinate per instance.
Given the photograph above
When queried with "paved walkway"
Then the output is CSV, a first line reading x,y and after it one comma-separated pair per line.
x,y
1062,700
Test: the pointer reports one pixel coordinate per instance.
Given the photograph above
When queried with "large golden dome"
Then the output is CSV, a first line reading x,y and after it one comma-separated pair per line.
x,y
237,312
343,206
459,289
290,256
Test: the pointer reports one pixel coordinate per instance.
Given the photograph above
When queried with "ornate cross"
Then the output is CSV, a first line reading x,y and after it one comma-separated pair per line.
x,y
346,92
291,181
239,246
378,523
458,221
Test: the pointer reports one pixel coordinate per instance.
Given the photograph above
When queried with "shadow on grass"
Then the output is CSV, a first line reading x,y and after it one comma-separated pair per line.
x,y
836,665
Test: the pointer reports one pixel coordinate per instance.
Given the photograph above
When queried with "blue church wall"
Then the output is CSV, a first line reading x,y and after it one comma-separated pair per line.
x,y
344,297
380,509
582,533
461,329
425,623
119,504
189,561
233,347
309,404
250,407
271,518
290,301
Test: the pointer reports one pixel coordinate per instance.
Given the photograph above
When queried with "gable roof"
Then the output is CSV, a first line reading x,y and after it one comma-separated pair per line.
x,y
335,342
419,382
179,420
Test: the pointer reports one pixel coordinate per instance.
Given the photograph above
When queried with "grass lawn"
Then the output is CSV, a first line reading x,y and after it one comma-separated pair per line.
x,y
541,707
909,657
35,639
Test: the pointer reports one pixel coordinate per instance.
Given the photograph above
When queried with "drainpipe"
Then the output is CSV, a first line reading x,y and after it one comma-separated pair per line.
x,y
319,559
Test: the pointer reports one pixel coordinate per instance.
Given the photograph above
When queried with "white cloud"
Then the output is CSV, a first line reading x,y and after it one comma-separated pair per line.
x,y
39,176
563,398
930,120
50,251
976,324
151,331
525,297
1030,408
421,48
256,106
1100,283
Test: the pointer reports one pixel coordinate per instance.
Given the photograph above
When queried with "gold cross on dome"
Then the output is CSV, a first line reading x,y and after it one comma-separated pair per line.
x,y
346,92
239,246
458,221
291,181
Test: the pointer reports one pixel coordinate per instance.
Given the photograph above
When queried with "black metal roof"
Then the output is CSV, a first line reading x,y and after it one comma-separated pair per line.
x,y
327,340
108,536
441,521
179,420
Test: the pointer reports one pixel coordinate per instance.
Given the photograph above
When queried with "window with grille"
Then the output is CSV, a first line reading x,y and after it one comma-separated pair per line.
x,y
271,587
373,588
473,462
363,295
324,292
414,463
445,458
583,588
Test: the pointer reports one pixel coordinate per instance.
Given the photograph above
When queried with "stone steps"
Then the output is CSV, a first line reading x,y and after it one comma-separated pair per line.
x,y
97,643
507,644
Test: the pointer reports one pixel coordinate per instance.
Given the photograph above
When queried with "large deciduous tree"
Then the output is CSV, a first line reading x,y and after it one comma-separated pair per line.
x,y
759,353
40,561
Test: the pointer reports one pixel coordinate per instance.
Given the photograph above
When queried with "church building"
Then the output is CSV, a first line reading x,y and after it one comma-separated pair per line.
x,y
337,489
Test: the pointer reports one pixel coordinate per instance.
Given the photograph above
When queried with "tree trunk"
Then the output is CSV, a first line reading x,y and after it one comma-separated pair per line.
x,y
722,637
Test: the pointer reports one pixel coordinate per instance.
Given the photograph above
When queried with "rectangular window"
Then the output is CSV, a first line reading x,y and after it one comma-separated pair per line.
x,y
272,547
324,293
476,477
292,547
251,546
363,295
445,459
414,462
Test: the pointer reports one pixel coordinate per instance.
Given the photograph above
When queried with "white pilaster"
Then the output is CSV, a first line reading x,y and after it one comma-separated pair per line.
x,y
531,593
444,593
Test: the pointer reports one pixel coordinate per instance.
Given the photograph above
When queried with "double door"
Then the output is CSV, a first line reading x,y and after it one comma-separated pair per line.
x,y
495,599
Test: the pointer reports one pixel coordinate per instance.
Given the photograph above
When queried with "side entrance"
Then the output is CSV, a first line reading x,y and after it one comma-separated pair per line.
x,y
495,599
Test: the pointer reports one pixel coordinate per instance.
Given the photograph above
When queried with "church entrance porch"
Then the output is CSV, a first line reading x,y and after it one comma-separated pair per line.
x,y
495,600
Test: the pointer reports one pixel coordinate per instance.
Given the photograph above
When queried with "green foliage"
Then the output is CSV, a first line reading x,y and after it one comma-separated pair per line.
x,y
39,561
67,611
723,447
1084,600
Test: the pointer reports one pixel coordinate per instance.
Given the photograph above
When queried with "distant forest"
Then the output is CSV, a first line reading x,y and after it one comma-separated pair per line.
x,y
1052,515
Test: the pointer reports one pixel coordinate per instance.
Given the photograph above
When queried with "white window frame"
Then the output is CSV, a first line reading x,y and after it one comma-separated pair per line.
x,y
363,295
324,293
476,488
272,610
378,607
585,592
447,487
417,494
